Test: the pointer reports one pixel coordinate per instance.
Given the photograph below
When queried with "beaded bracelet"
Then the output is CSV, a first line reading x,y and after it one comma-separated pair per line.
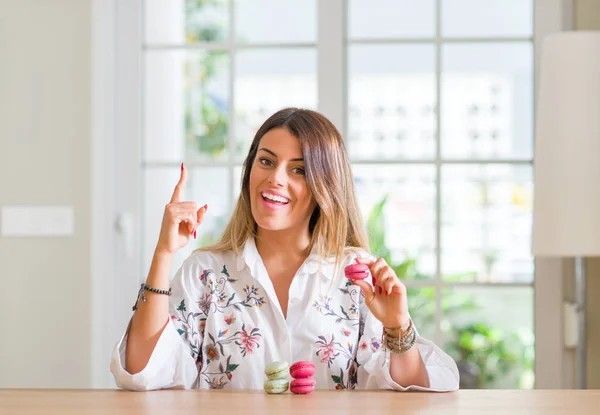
x,y
402,349
400,344
398,334
151,289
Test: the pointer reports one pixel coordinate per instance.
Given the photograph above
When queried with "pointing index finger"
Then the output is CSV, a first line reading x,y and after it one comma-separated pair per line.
x,y
180,184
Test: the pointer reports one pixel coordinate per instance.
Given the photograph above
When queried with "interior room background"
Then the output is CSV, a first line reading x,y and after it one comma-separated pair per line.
x,y
100,102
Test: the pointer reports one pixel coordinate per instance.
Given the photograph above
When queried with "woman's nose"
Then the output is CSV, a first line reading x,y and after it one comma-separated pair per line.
x,y
278,176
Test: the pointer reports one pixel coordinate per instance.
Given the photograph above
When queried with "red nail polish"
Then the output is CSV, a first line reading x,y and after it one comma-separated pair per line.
x,y
373,281
181,166
194,234
380,290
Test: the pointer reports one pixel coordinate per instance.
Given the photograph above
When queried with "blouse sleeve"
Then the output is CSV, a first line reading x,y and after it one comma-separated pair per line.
x,y
175,360
374,360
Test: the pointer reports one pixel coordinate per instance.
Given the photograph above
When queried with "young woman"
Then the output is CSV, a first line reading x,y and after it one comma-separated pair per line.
x,y
273,288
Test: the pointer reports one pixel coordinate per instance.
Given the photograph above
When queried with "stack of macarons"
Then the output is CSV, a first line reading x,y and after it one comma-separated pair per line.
x,y
303,382
277,377
357,271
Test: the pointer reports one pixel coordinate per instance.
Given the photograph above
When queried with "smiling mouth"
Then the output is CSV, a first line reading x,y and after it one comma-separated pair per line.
x,y
274,199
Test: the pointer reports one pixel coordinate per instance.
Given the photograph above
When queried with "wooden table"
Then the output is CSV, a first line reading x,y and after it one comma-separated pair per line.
x,y
470,402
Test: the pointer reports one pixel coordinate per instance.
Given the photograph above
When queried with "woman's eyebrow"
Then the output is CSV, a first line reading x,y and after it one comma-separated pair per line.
x,y
275,155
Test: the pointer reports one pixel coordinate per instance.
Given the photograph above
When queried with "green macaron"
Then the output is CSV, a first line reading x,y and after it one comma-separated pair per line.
x,y
276,385
277,370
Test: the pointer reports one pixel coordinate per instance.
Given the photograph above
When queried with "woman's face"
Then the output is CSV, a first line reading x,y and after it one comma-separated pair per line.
x,y
279,195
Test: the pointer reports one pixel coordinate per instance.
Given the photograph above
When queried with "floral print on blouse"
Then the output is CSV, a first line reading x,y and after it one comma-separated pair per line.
x,y
226,325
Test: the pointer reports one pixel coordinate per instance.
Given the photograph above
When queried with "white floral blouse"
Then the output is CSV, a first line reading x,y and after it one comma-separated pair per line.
x,y
226,325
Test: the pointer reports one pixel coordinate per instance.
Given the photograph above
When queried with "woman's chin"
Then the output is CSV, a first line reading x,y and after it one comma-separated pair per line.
x,y
271,225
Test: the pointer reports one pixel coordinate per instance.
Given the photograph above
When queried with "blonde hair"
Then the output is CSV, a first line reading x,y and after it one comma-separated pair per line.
x,y
336,224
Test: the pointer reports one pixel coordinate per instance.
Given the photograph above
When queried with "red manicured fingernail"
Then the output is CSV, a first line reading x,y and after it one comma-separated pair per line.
x,y
181,166
373,280
194,234
380,290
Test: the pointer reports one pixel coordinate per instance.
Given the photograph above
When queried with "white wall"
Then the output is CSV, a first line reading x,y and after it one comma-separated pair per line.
x,y
44,160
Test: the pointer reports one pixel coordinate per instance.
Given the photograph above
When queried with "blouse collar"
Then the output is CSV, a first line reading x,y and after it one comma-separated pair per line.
x,y
313,264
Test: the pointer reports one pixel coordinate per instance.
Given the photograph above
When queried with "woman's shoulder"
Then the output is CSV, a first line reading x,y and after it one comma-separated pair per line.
x,y
210,258
352,252
201,263
349,256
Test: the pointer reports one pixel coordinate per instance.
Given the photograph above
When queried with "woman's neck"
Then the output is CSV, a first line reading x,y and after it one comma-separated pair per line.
x,y
282,244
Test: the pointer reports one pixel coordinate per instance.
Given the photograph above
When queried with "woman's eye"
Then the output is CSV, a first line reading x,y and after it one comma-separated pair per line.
x,y
264,161
298,170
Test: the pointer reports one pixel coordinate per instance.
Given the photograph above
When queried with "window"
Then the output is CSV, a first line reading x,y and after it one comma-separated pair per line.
x,y
439,125
213,72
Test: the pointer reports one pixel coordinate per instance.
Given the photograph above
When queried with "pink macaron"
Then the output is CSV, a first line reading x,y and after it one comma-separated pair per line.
x,y
302,369
302,386
357,271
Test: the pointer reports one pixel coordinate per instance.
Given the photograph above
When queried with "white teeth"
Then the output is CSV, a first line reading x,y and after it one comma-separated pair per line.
x,y
275,198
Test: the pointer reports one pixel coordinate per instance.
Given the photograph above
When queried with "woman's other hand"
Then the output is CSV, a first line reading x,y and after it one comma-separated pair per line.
x,y
387,299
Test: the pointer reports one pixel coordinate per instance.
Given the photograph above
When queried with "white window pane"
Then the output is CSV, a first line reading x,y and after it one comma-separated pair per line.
x,y
181,21
372,19
487,18
408,214
486,223
487,101
237,184
489,332
392,101
276,21
185,105
268,80
204,185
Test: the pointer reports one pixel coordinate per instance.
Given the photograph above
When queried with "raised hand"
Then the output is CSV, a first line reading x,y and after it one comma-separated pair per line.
x,y
387,298
180,220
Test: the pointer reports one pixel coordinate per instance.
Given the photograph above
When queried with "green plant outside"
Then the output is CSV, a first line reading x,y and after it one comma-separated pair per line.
x,y
206,124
